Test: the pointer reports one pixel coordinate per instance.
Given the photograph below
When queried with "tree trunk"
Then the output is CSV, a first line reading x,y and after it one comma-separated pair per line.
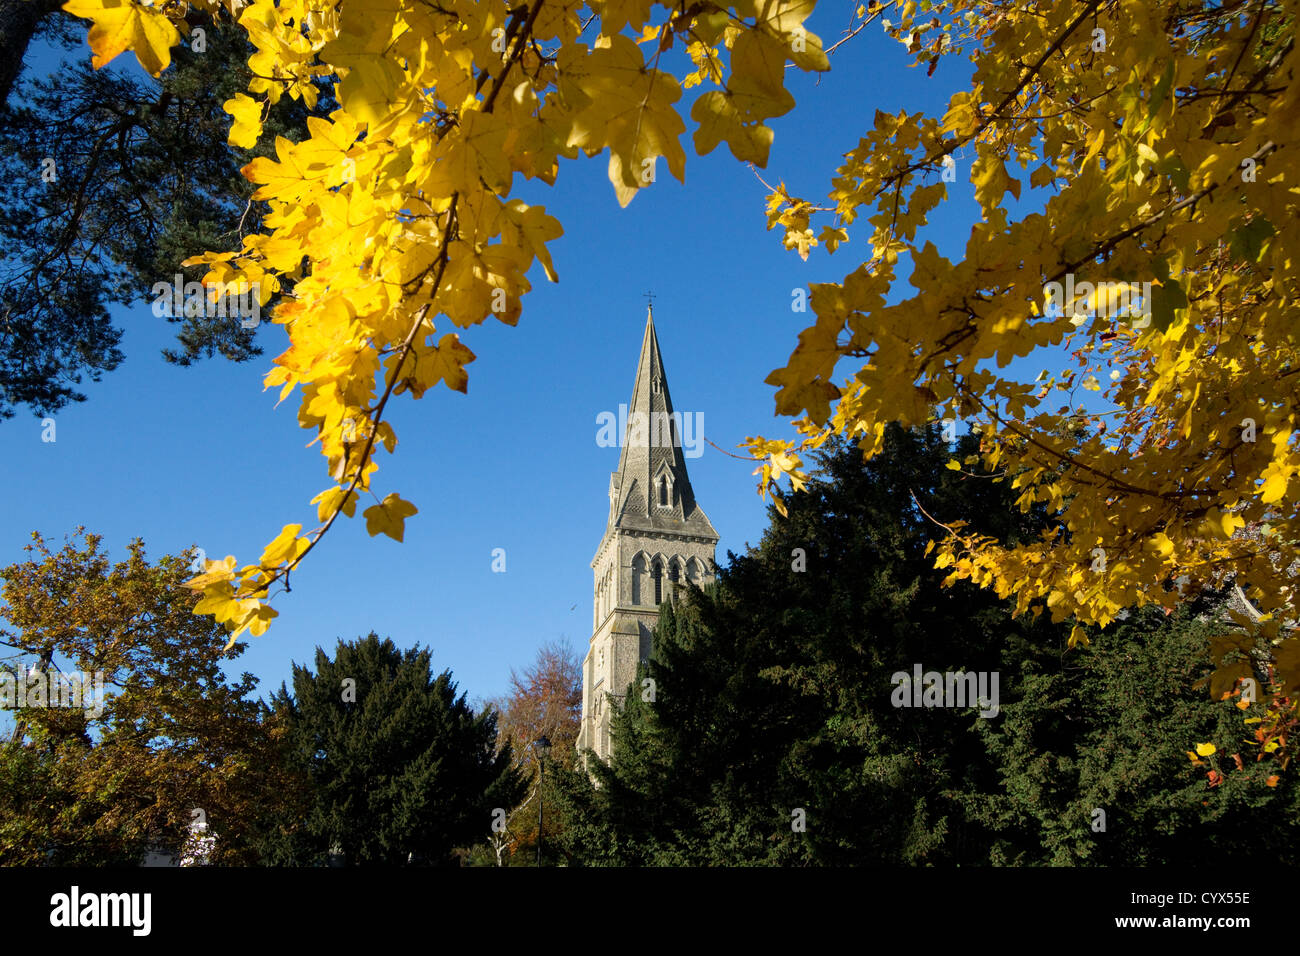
x,y
19,20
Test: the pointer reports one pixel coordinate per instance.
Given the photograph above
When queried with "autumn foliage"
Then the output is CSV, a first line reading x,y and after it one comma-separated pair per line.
x,y
544,701
1140,141
175,743
1108,143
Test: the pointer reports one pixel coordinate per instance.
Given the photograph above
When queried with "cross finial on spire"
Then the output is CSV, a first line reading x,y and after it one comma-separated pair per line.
x,y
649,302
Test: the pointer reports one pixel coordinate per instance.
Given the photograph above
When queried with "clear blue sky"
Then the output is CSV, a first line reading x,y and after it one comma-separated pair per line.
x,y
200,456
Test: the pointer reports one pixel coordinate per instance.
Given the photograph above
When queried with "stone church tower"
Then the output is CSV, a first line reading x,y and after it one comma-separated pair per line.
x,y
656,538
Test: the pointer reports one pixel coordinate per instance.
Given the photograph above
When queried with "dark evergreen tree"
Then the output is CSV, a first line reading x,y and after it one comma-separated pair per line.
x,y
108,180
1094,757
400,769
774,736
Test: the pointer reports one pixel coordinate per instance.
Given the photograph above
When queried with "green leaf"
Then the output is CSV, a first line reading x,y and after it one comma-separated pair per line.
x,y
1166,300
1247,241
1172,167
1158,95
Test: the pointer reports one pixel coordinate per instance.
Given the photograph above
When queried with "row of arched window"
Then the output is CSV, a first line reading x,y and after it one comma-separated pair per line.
x,y
653,580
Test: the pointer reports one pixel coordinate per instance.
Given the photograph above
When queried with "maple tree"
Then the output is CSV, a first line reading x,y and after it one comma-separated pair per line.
x,y
393,218
1150,140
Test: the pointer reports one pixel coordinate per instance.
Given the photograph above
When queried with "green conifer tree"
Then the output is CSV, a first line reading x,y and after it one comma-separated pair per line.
x,y
401,770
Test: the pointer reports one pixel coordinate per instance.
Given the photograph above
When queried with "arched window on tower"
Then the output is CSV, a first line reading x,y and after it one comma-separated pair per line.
x,y
663,491
674,577
693,571
638,578
657,572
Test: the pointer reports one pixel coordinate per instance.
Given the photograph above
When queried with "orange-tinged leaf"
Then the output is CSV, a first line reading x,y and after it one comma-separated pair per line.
x,y
448,363
123,24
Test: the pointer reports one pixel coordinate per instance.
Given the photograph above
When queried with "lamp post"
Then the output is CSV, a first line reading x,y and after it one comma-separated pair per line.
x,y
541,747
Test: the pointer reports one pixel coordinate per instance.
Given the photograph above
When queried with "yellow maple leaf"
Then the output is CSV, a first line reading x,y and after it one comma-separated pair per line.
x,y
720,120
214,571
285,548
255,617
219,601
478,152
327,502
1274,488
247,113
448,363
628,108
616,14
389,516
123,24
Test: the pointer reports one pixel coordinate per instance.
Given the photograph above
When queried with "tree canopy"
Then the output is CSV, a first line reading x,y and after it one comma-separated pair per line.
x,y
393,217
400,769
171,746
544,702
1153,250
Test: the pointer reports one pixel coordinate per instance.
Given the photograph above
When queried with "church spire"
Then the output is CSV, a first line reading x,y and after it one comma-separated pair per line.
x,y
653,489
657,540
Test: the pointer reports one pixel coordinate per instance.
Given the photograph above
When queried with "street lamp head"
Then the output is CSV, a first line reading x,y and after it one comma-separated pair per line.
x,y
543,744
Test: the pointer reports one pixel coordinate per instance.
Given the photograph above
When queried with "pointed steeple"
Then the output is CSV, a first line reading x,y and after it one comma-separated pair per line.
x,y
651,490
656,541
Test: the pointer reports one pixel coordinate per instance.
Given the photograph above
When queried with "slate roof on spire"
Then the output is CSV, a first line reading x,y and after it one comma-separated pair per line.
x,y
652,451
